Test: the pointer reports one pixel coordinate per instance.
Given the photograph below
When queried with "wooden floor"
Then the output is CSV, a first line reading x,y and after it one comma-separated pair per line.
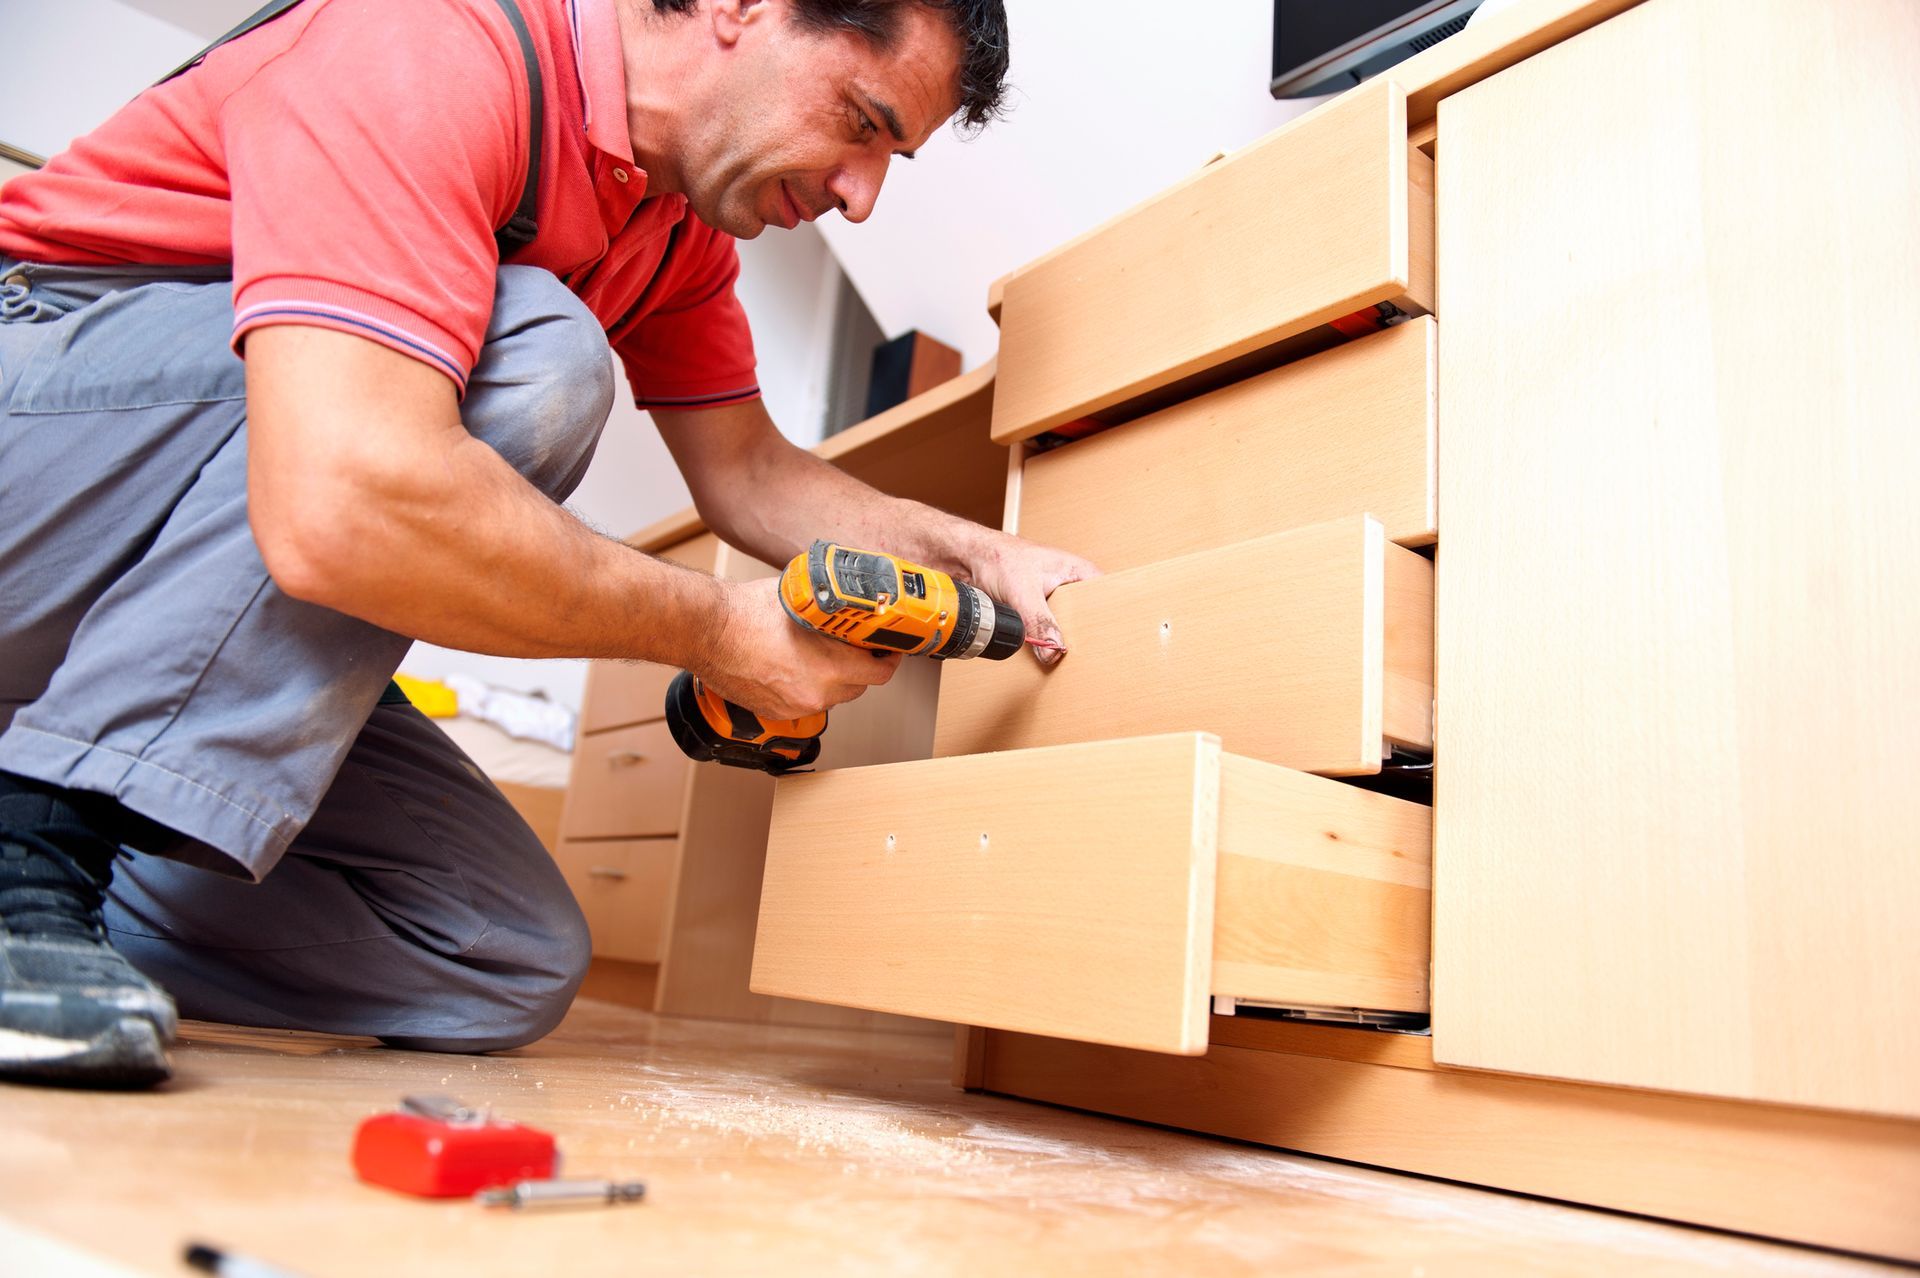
x,y
766,1151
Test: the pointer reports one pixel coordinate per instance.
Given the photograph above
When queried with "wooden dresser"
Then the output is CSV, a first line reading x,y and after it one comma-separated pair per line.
x,y
1612,526
665,856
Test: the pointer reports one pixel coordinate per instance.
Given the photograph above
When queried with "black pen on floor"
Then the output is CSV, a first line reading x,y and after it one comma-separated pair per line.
x,y
211,1260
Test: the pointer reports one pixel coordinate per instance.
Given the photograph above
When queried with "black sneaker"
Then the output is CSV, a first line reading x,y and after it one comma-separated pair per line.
x,y
72,1010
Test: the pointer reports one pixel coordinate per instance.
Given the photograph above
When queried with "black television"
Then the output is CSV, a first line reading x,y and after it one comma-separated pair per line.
x,y
1324,46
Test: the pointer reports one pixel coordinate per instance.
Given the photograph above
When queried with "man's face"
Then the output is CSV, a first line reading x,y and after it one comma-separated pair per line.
x,y
809,121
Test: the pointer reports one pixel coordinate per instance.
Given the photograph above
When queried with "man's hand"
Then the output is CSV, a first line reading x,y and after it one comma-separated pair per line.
x,y
778,670
763,494
1022,574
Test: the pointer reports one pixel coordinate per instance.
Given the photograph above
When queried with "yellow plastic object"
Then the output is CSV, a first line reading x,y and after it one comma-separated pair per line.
x,y
429,696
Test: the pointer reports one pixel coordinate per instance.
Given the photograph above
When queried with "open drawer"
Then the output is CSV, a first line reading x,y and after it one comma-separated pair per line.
x,y
1326,216
1311,648
1099,892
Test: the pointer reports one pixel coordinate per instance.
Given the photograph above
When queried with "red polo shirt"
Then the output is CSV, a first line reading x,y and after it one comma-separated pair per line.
x,y
351,160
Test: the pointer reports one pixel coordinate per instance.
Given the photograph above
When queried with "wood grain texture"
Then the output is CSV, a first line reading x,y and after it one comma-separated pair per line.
x,y
723,847
1278,645
766,1151
622,886
1832,1180
1346,432
1067,891
1678,611
1325,892
625,783
1304,226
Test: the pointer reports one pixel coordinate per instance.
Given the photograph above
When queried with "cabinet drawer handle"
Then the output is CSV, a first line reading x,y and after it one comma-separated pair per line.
x,y
625,758
605,872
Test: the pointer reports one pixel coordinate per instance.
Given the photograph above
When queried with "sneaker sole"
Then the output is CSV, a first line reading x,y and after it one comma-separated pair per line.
x,y
128,1053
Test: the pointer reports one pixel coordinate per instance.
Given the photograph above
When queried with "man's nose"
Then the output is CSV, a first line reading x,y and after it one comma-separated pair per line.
x,y
855,186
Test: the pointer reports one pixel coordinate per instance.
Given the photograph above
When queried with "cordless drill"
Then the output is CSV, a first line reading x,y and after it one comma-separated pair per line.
x,y
860,597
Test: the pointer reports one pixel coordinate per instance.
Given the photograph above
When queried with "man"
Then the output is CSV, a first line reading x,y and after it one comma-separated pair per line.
x,y
209,566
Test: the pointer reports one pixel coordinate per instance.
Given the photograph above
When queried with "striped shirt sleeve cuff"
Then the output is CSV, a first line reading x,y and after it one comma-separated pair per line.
x,y
325,304
690,399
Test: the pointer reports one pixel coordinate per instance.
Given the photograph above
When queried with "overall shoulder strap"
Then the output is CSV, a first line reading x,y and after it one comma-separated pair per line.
x,y
267,13
521,227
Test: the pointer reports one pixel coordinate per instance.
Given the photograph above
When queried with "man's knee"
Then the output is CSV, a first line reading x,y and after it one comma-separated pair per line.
x,y
544,386
516,985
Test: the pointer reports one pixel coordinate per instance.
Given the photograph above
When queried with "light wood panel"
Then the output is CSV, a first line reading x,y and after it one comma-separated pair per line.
x,y
1676,833
723,846
625,783
934,448
1828,1179
1067,891
1325,892
622,886
1346,432
1488,47
1304,226
1278,645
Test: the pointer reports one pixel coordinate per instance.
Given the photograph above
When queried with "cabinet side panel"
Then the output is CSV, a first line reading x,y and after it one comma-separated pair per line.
x,y
1677,615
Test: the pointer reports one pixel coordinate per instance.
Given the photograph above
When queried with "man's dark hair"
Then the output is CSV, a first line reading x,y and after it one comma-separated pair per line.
x,y
980,24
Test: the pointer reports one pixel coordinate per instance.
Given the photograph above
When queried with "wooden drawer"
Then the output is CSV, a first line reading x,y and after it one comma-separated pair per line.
x,y
625,784
1099,892
1324,217
1346,432
624,887
1311,648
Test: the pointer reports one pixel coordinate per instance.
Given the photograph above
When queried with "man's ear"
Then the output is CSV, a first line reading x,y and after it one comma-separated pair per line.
x,y
731,18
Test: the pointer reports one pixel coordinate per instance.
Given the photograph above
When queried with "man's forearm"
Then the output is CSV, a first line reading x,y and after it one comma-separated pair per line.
x,y
486,563
367,495
808,499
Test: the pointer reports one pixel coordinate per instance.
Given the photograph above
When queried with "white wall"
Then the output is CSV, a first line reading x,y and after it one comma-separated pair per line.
x,y
1114,100
69,64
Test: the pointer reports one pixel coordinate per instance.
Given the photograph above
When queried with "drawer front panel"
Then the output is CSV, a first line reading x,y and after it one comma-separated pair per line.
x,y
1346,432
624,887
1318,220
1071,891
1311,649
1065,892
626,784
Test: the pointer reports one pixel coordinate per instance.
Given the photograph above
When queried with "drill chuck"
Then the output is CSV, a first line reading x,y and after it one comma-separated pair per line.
x,y
982,628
